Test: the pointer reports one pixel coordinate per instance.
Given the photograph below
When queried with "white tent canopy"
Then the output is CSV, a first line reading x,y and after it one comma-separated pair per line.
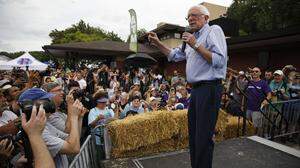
x,y
23,61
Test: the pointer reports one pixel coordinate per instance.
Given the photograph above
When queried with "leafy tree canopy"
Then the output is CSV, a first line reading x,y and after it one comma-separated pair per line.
x,y
263,15
82,32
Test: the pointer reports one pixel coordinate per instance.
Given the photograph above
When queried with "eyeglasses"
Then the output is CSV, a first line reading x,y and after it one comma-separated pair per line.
x,y
57,91
193,15
255,71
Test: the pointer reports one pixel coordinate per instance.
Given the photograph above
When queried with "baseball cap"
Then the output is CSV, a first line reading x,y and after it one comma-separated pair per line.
x,y
179,106
278,72
35,94
49,86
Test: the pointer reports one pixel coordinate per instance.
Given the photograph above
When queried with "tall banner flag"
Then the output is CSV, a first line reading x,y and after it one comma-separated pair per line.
x,y
133,31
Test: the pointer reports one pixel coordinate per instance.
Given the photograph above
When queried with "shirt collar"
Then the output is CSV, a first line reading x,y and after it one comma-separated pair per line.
x,y
200,31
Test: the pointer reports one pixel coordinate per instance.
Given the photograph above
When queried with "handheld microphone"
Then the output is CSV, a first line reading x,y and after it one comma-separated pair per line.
x,y
186,29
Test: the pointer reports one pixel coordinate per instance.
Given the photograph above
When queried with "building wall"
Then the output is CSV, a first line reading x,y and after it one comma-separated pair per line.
x,y
241,61
215,10
172,42
285,57
277,59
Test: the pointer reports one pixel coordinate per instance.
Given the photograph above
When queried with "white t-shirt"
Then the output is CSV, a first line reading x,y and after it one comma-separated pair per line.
x,y
95,112
6,117
82,83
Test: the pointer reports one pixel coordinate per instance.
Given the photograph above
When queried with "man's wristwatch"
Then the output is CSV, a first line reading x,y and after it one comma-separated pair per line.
x,y
197,45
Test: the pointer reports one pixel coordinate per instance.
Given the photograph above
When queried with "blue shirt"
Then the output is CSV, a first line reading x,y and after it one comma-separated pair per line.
x,y
129,107
197,68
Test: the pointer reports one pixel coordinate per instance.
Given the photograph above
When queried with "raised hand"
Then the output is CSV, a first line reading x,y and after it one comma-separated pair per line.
x,y
189,38
6,147
153,38
77,108
36,123
69,97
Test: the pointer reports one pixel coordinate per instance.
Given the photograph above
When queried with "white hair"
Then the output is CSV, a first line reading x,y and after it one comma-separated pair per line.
x,y
202,10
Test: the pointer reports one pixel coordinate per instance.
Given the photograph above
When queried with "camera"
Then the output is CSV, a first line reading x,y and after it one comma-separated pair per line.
x,y
78,94
83,98
13,140
27,106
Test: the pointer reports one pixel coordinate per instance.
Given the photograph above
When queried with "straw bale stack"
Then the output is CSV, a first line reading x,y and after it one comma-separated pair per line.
x,y
221,126
231,130
141,130
161,131
163,146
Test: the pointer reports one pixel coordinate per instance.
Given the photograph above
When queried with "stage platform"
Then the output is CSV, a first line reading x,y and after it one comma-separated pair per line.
x,y
251,152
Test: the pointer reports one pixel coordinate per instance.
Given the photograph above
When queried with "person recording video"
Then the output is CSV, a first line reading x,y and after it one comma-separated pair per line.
x,y
58,142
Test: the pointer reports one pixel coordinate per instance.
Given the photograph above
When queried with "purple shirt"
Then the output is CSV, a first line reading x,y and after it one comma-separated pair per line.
x,y
184,101
255,96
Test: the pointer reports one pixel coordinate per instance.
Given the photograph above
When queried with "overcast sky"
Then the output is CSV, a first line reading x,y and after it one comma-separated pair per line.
x,y
25,24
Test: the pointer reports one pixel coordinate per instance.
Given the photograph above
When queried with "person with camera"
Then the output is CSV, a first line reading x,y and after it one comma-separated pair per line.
x,y
279,87
34,128
58,119
58,142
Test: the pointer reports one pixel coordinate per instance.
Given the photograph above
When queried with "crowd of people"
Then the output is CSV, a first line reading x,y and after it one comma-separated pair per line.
x,y
250,91
57,108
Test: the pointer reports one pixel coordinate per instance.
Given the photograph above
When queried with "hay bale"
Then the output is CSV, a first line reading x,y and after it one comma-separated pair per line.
x,y
181,119
221,125
231,130
163,146
142,130
156,132
182,143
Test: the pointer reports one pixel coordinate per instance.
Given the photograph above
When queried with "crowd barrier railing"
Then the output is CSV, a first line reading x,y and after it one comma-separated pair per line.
x,y
286,124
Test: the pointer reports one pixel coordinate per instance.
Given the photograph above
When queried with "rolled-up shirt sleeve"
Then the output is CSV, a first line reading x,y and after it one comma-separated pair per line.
x,y
217,45
176,55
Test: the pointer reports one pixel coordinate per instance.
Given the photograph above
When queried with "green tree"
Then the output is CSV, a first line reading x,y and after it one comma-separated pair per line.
x,y
82,32
40,55
12,55
140,32
263,15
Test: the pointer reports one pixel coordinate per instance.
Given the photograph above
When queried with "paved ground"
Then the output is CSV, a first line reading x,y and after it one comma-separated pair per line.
x,y
234,153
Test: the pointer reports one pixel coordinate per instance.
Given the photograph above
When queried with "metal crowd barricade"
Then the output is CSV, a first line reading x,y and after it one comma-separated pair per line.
x,y
96,147
103,141
87,156
287,123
